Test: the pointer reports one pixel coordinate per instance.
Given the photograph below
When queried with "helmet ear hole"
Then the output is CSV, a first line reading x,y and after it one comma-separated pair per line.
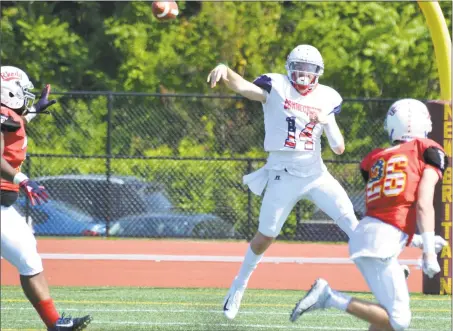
x,y
11,94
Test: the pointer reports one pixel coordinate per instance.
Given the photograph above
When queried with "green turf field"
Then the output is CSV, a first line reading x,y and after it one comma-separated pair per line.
x,y
200,309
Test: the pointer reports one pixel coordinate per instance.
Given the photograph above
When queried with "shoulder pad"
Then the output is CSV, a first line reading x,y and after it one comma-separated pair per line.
x,y
335,97
8,124
435,157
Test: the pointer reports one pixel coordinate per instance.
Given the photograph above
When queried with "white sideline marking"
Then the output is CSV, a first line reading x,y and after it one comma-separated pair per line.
x,y
212,311
202,258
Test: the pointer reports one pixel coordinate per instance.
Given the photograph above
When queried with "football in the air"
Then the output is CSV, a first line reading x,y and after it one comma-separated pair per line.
x,y
165,10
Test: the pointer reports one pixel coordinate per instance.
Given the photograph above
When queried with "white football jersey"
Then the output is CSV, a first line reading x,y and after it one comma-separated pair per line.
x,y
292,137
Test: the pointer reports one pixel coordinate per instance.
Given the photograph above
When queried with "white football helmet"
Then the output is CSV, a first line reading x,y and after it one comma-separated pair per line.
x,y
304,66
14,89
407,119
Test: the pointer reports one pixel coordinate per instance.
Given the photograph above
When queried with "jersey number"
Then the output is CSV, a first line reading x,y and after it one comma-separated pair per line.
x,y
306,135
387,178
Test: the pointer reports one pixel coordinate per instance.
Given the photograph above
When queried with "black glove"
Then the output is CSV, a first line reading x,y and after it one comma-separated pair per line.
x,y
43,103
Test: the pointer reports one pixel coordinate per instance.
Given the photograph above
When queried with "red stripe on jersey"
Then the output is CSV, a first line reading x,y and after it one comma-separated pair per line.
x,y
374,195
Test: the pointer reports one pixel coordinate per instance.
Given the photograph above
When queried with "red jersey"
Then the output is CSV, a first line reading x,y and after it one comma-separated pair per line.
x,y
394,174
15,146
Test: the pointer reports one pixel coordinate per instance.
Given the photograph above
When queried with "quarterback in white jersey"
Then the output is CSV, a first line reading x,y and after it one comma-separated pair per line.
x,y
293,128
297,109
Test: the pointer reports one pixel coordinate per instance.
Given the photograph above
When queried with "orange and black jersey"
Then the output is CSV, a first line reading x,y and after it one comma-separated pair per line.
x,y
392,177
15,143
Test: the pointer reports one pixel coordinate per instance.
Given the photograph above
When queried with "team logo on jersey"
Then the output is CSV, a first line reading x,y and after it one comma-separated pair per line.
x,y
377,171
310,111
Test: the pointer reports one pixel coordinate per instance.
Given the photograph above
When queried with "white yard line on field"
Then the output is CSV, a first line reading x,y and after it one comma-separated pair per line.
x,y
204,258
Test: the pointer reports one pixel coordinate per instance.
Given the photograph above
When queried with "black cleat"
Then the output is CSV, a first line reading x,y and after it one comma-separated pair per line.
x,y
71,324
406,271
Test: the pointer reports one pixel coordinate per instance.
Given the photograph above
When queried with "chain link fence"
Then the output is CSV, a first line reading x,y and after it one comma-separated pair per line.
x,y
163,165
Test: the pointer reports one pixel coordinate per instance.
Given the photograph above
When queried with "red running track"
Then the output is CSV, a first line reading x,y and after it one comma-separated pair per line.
x,y
63,272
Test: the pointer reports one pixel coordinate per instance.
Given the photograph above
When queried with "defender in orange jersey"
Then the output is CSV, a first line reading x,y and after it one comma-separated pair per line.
x,y
15,144
18,245
400,183
393,176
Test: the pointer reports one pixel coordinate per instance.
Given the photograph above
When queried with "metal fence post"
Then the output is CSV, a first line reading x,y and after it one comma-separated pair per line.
x,y
249,204
298,216
27,201
108,157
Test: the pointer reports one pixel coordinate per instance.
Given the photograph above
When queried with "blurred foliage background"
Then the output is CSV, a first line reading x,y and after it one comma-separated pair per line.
x,y
374,52
371,49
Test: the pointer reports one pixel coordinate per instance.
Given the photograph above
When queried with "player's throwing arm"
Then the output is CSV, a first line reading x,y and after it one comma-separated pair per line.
x,y
236,83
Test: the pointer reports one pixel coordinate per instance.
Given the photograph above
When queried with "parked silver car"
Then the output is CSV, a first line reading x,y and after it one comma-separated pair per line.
x,y
126,205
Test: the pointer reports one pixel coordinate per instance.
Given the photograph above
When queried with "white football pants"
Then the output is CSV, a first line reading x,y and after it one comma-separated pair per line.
x,y
388,283
283,191
18,244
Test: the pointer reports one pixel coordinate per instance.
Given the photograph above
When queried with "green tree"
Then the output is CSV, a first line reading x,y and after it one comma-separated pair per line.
x,y
370,49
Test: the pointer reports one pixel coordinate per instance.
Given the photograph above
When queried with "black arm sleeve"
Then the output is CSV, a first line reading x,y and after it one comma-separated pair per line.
x,y
8,124
365,175
436,158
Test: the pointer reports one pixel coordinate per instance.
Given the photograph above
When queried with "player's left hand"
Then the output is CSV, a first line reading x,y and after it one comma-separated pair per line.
x,y
321,118
430,265
439,242
43,102
36,193
219,72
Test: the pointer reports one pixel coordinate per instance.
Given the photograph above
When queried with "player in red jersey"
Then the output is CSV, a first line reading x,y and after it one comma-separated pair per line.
x,y
18,245
400,183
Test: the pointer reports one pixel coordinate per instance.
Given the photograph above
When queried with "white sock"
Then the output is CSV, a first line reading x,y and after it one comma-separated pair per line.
x,y
251,260
338,300
347,223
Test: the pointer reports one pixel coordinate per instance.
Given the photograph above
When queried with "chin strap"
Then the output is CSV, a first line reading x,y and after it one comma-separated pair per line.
x,y
32,113
305,91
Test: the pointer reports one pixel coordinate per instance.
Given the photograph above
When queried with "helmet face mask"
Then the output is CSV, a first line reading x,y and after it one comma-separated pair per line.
x,y
304,65
407,119
15,87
